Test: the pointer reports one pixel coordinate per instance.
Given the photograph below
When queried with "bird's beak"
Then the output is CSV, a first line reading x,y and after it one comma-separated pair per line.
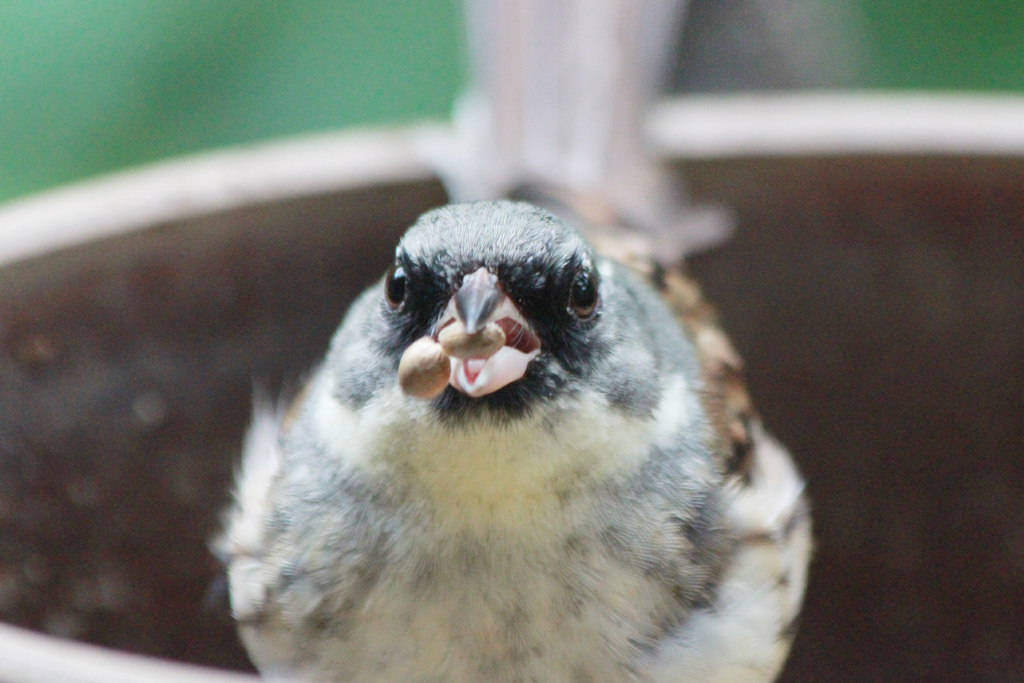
x,y
477,298
482,308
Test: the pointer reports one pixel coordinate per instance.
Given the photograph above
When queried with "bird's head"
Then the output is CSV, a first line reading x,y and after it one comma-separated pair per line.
x,y
489,306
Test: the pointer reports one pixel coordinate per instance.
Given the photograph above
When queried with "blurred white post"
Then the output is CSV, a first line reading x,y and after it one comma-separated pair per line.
x,y
559,95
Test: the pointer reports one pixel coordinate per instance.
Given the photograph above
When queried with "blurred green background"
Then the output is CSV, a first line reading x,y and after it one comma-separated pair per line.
x,y
88,86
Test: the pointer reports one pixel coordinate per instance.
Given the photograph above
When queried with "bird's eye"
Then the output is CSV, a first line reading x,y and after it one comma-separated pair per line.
x,y
583,294
396,286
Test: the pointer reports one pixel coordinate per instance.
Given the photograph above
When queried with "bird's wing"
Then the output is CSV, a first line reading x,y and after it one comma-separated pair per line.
x,y
746,634
242,543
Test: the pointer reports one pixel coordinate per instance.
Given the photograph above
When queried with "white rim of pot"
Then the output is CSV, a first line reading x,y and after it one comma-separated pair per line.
x,y
209,182
829,123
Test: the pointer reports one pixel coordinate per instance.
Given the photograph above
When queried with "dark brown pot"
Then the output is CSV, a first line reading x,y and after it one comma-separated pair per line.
x,y
876,292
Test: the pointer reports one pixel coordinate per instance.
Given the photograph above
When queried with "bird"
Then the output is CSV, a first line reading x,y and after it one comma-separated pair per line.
x,y
519,461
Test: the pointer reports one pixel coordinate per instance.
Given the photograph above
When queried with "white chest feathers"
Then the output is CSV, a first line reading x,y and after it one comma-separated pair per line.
x,y
494,557
513,475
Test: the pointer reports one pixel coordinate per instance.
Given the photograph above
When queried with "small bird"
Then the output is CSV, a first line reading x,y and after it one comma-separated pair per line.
x,y
515,465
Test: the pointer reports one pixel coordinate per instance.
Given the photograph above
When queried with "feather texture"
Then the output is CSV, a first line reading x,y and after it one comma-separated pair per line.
x,y
626,519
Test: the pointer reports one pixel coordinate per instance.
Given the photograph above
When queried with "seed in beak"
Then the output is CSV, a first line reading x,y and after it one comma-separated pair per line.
x,y
456,341
424,369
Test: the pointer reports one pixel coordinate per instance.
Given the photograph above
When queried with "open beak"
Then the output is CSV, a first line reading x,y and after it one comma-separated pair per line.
x,y
479,303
